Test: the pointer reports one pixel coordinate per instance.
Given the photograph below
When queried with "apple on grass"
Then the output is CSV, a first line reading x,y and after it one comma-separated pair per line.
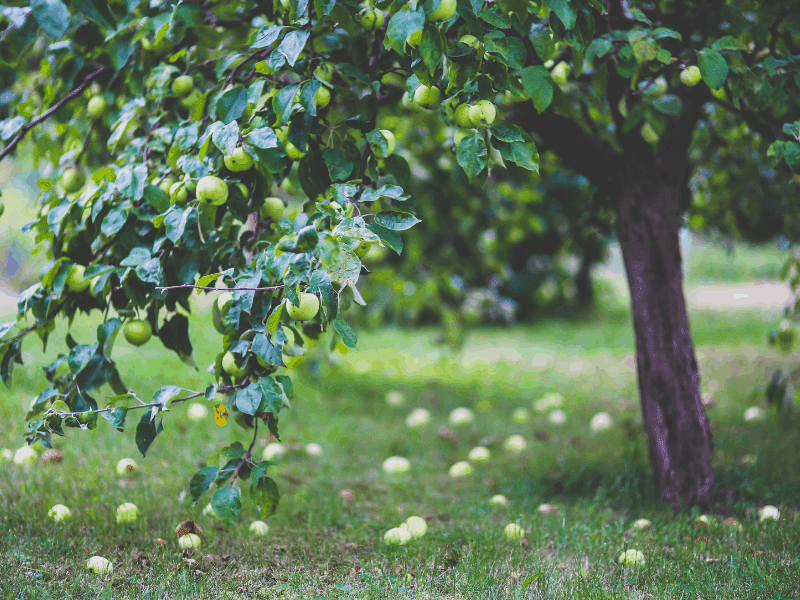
x,y
59,513
126,466
513,531
479,454
190,541
127,513
99,565
419,417
25,456
397,536
499,500
631,558
416,526
259,528
396,464
461,416
515,444
460,469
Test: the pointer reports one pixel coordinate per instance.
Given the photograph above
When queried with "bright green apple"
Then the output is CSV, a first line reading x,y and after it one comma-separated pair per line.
x,y
324,72
72,179
428,97
75,280
471,41
272,209
235,366
390,144
292,151
461,116
212,190
178,193
482,113
240,160
372,18
444,11
308,309
97,107
137,332
183,85
414,38
691,76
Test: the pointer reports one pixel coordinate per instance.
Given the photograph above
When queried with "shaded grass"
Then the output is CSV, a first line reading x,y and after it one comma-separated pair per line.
x,y
323,545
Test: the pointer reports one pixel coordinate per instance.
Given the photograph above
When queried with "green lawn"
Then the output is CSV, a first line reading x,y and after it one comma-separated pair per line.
x,y
321,545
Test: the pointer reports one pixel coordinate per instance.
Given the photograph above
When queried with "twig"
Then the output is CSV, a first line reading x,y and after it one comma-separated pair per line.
x,y
225,388
13,143
248,455
22,333
214,289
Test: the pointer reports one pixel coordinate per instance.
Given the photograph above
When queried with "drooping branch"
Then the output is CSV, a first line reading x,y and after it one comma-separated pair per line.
x,y
214,289
578,149
45,115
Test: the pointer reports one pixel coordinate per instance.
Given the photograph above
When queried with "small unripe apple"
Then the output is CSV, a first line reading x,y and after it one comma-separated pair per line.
x,y
362,249
97,107
416,526
273,209
259,528
183,85
190,541
230,364
390,144
396,536
324,72
99,565
126,466
212,190
471,41
75,280
649,134
657,89
691,76
59,513
460,134
513,531
323,97
428,97
444,11
240,160
482,113
178,193
559,73
414,38
371,18
308,309
293,152
166,185
72,180
127,513
137,332
461,116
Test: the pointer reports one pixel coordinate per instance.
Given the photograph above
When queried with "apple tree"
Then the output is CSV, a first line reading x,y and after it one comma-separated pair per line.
x,y
163,129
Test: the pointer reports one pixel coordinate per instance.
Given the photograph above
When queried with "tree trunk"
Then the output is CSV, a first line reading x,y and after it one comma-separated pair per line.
x,y
677,429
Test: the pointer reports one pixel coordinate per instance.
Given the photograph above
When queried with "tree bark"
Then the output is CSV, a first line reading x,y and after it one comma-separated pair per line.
x,y
677,429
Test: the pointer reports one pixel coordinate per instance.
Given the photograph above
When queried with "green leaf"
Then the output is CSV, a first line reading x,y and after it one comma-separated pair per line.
x,y
271,396
292,45
713,68
347,334
97,11
267,496
669,105
201,482
791,154
664,32
539,86
524,154
402,24
106,334
227,138
147,430
565,11
389,237
266,36
116,417
227,503
728,43
263,138
267,352
792,129
431,48
52,16
472,155
339,165
249,399
167,393
282,103
542,40
396,221
174,334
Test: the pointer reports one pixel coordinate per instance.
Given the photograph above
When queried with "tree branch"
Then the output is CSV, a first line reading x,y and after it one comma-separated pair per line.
x,y
578,149
247,456
13,143
214,289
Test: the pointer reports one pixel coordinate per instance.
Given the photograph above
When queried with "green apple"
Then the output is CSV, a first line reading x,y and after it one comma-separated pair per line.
x,y
428,97
166,185
390,144
444,11
559,73
308,309
188,102
691,76
649,134
59,513
75,280
471,41
127,513
212,190
240,160
99,565
178,193
190,541
97,107
293,152
323,97
72,180
461,116
372,18
224,303
272,209
482,113
259,528
234,366
191,186
137,332
289,337
460,134
657,89
324,72
362,249
414,38
183,85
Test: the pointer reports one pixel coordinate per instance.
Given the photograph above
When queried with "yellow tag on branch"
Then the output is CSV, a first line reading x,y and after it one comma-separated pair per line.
x,y
220,414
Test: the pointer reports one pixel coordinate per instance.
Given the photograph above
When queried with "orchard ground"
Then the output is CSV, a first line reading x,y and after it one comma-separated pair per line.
x,y
326,538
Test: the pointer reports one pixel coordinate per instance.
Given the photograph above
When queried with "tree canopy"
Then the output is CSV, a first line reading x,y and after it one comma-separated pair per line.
x,y
164,131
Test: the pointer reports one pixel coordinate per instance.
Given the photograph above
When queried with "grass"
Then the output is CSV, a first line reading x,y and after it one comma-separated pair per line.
x,y
321,545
